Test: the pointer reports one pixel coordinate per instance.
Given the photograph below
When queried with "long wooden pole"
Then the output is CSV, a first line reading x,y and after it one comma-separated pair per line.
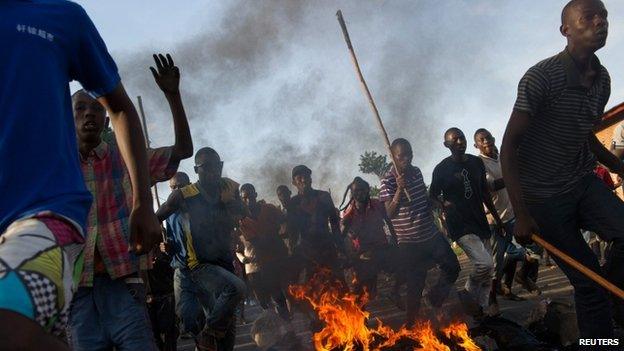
x,y
579,267
147,142
368,93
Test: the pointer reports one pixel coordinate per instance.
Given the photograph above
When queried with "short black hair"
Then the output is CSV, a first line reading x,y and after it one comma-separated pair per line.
x,y
283,188
479,131
206,151
400,141
182,176
452,130
566,9
247,187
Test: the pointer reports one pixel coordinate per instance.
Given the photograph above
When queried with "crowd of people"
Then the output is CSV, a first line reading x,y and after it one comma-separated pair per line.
x,y
84,263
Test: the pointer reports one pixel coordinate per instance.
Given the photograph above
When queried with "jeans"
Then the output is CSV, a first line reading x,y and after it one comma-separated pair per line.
x,y
111,314
591,206
479,282
187,300
416,260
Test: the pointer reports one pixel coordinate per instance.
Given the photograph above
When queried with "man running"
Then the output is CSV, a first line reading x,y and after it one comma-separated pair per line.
x,y
44,203
548,156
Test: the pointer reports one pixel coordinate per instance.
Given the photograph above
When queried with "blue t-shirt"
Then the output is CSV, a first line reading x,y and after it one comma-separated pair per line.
x,y
45,45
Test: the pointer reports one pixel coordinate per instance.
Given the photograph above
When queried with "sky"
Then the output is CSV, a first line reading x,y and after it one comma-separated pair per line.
x,y
269,84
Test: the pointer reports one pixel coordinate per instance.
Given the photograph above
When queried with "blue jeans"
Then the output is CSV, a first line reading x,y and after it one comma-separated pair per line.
x,y
590,206
187,299
110,314
227,289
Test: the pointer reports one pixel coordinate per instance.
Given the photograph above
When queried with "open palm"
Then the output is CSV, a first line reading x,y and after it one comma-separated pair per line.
x,y
166,74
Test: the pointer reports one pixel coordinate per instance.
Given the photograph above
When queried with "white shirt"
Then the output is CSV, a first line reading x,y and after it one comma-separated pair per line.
x,y
500,197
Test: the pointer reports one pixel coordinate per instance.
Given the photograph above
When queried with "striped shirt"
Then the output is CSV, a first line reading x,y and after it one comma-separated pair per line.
x,y
413,222
554,154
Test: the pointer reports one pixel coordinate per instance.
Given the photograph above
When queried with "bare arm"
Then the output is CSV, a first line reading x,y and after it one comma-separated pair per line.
x,y
392,206
170,206
391,229
519,123
144,227
167,77
604,156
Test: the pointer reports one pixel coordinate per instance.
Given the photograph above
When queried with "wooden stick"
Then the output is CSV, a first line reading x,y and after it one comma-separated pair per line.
x,y
147,144
368,93
579,267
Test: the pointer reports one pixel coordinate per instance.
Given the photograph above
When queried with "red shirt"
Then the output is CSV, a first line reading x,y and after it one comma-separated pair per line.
x,y
367,226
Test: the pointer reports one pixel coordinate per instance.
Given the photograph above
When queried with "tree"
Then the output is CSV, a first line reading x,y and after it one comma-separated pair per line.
x,y
373,163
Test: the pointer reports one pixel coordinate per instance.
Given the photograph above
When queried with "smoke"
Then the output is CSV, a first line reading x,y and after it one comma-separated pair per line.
x,y
271,85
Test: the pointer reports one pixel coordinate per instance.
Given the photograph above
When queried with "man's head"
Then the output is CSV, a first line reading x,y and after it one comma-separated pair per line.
x,y
455,140
208,165
402,153
248,194
302,178
485,142
360,190
89,117
584,23
179,180
283,194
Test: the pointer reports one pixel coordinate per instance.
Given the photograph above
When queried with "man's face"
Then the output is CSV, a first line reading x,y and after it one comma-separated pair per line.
x,y
89,117
208,167
303,182
403,156
283,196
177,183
485,142
360,192
586,24
456,142
248,197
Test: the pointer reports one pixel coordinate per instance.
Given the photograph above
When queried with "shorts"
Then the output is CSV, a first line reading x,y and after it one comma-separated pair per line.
x,y
39,270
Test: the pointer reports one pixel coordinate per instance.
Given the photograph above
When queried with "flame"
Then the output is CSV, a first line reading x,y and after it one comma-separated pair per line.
x,y
459,331
346,322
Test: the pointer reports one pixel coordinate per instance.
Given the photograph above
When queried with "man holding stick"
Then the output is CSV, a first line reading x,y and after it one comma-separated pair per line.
x,y
420,244
548,155
109,307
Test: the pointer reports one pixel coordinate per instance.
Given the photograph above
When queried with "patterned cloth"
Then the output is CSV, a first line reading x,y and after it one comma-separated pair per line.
x,y
107,179
39,265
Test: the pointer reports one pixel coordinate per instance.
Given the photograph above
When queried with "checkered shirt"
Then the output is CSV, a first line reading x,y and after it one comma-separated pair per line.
x,y
108,181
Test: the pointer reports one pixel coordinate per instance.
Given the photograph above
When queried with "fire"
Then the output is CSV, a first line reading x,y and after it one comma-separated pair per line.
x,y
346,322
459,331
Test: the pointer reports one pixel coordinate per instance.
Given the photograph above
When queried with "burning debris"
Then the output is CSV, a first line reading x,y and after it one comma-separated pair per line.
x,y
348,326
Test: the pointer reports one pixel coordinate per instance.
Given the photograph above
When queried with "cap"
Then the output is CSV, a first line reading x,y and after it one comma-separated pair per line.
x,y
301,170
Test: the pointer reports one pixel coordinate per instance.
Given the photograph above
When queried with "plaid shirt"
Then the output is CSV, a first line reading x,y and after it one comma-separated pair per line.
x,y
108,181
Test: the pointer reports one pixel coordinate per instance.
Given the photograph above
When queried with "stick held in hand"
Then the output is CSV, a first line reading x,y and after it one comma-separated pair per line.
x,y
371,102
597,278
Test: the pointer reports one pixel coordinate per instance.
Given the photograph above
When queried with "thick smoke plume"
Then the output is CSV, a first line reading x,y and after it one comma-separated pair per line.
x,y
271,85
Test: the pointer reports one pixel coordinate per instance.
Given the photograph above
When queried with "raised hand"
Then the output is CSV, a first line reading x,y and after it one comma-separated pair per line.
x,y
166,74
